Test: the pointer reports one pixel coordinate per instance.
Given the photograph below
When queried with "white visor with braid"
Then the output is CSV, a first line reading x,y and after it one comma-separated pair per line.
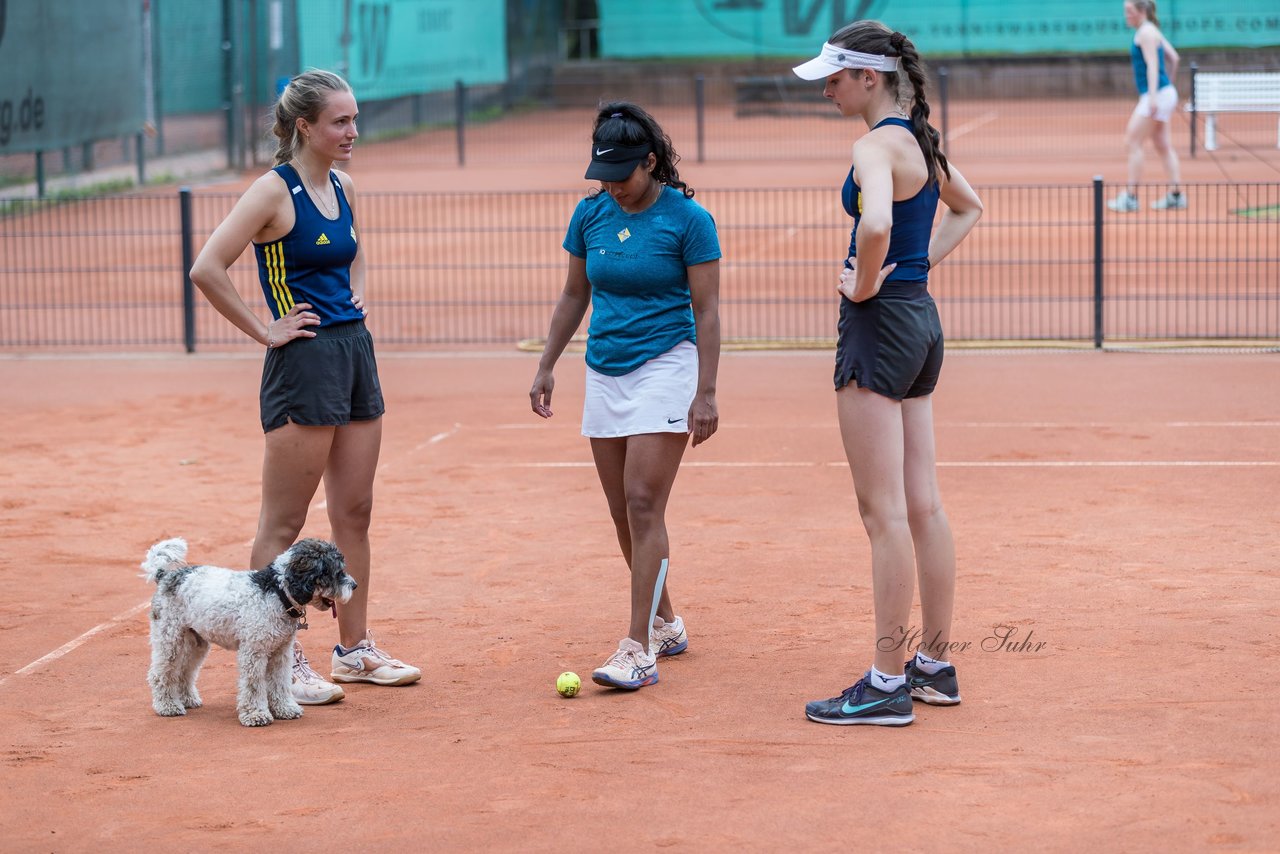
x,y
834,58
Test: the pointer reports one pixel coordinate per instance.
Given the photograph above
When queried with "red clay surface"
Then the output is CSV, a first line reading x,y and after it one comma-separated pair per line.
x,y
1118,510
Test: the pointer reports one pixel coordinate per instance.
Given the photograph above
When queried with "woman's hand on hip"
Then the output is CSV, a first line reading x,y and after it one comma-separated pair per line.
x,y
292,325
848,285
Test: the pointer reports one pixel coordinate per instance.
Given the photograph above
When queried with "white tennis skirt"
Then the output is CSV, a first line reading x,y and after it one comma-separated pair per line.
x,y
654,398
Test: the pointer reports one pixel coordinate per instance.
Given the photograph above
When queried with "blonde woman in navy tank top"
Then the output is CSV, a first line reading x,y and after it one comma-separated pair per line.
x,y
888,358
320,400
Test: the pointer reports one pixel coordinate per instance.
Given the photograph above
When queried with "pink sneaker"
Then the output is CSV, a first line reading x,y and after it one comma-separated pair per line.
x,y
310,688
364,662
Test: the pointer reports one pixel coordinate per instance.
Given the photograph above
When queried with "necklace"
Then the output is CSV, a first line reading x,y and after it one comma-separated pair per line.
x,y
332,209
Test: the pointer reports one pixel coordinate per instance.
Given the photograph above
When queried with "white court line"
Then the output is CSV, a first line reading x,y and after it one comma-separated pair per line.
x,y
439,437
980,425
960,464
72,644
984,119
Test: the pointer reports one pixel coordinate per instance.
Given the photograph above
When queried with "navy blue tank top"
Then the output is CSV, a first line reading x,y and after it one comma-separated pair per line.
x,y
1140,67
312,263
909,237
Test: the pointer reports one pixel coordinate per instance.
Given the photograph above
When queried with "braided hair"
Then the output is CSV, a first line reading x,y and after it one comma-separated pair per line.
x,y
874,37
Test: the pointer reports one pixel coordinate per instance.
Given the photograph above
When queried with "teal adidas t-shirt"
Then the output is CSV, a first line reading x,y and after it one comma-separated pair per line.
x,y
636,263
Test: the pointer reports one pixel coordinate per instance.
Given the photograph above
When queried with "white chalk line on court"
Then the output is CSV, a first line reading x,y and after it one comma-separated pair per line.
x,y
439,437
942,465
984,119
979,425
72,644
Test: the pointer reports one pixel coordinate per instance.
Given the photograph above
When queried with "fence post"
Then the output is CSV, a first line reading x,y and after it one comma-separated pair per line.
x,y
942,98
1097,261
188,287
40,183
1194,114
460,119
141,145
700,100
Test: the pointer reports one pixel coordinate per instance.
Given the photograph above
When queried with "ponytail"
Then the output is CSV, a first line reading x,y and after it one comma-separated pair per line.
x,y
928,137
875,38
305,97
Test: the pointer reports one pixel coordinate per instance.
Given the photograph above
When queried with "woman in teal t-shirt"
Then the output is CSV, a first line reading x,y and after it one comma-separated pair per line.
x,y
645,257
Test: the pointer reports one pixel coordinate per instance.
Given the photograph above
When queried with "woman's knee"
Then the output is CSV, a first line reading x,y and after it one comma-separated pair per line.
x,y
644,508
351,514
923,511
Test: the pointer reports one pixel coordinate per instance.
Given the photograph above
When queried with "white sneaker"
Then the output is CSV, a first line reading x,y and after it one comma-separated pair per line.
x,y
667,638
1170,202
364,662
631,667
1126,202
310,688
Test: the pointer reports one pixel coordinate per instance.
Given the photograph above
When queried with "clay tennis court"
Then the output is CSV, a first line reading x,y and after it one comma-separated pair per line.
x,y
1115,522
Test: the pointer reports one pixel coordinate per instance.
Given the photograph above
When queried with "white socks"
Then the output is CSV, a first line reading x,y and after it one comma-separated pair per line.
x,y
886,683
929,665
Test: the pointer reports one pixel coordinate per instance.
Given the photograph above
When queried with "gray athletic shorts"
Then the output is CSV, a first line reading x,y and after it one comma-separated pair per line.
x,y
890,346
326,381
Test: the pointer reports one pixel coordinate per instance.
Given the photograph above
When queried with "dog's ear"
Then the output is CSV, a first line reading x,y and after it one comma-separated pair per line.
x,y
308,564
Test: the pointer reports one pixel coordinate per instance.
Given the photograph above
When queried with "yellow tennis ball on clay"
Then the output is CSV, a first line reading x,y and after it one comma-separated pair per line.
x,y
568,684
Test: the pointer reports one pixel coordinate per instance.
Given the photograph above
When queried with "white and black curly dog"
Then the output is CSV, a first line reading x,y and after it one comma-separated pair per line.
x,y
255,613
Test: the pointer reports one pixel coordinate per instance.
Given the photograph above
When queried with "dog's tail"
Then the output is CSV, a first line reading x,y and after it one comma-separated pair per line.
x,y
163,555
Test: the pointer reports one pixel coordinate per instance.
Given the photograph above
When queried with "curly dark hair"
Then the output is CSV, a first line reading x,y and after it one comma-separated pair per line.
x,y
625,123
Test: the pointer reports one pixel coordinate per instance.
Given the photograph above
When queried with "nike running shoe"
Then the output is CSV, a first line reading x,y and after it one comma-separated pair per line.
x,y
668,638
308,687
631,667
364,662
863,704
1126,202
1170,202
940,689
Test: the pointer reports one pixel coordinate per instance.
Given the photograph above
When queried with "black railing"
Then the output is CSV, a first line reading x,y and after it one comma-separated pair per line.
x,y
1046,263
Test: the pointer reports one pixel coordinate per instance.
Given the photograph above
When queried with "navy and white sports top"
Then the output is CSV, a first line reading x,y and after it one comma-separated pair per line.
x,y
1140,66
312,263
909,237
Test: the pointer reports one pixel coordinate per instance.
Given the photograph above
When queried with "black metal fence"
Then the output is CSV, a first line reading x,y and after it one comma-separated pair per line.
x,y
1046,263
1065,106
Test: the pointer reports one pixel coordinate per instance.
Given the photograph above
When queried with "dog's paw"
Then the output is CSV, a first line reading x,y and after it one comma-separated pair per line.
x,y
256,717
169,708
287,711
192,701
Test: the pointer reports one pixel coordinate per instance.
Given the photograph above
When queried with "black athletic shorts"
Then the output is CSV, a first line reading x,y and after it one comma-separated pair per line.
x,y
326,381
889,345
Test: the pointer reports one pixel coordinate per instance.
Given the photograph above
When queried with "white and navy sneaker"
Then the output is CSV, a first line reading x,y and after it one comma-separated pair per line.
x,y
862,703
1171,201
631,667
667,638
936,689
1126,202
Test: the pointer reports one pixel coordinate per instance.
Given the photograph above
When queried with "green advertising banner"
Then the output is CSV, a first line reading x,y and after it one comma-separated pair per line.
x,y
72,72
389,48
797,28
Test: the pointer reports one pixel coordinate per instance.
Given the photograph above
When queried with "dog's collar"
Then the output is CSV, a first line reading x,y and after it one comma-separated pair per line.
x,y
292,608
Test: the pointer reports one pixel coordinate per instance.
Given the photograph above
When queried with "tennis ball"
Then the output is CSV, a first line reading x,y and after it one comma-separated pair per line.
x,y
568,684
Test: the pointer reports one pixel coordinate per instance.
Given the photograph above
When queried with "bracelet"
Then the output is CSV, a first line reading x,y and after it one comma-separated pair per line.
x,y
271,344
